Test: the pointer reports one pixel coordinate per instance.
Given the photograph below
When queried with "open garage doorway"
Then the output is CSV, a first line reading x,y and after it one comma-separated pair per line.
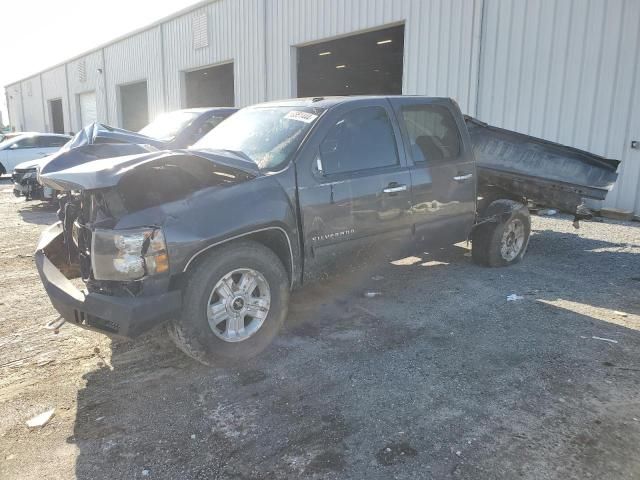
x,y
362,64
134,106
56,116
210,87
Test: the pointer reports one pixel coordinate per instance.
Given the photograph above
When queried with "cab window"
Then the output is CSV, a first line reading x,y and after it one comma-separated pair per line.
x,y
362,139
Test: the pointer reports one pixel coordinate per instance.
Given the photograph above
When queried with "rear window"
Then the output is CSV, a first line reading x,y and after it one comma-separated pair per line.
x,y
433,133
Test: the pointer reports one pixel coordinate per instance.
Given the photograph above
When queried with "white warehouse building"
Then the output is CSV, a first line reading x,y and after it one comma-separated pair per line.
x,y
564,70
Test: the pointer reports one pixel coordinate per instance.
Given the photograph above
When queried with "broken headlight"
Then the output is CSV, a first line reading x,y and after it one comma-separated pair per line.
x,y
128,254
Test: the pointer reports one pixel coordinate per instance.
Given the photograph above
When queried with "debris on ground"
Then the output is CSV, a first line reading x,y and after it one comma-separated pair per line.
x,y
620,314
604,339
372,294
514,297
40,420
377,278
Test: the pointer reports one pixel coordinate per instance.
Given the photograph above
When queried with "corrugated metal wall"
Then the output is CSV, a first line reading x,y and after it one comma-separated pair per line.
x,y
567,71
32,105
235,34
92,80
54,85
14,106
146,49
440,57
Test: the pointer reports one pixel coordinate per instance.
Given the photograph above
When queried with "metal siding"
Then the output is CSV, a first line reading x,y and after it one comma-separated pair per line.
x,y
32,104
14,106
236,34
564,70
441,51
94,82
54,85
567,71
130,60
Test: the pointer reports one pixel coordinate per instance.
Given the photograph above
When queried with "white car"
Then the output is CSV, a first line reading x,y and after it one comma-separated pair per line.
x,y
28,146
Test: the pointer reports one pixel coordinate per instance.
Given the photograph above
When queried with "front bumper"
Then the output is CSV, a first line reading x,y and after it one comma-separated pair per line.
x,y
114,316
31,189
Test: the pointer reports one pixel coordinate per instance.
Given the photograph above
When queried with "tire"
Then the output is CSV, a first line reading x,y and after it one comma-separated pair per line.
x,y
222,345
504,242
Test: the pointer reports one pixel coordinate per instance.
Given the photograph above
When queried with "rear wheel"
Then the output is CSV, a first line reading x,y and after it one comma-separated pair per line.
x,y
235,301
504,241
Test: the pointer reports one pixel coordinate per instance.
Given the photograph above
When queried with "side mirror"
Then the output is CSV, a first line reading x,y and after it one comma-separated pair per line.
x,y
14,146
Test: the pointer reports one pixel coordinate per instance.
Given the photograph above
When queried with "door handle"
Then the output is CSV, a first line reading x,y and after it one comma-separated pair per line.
x,y
395,188
464,177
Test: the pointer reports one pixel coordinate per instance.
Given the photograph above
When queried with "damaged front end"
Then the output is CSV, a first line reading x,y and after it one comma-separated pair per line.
x,y
106,263
25,184
125,273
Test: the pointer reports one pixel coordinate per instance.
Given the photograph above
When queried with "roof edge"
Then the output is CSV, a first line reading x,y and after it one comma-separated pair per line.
x,y
122,37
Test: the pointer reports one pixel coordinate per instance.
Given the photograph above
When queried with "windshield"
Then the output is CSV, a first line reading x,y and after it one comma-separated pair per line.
x,y
266,135
168,125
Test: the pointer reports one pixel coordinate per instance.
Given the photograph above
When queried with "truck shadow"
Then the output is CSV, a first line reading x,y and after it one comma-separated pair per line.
x,y
359,387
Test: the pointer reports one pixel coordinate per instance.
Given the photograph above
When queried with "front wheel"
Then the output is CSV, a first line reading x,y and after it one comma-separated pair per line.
x,y
504,241
234,303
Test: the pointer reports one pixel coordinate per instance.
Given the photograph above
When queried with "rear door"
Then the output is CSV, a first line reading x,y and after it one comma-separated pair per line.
x,y
442,169
355,190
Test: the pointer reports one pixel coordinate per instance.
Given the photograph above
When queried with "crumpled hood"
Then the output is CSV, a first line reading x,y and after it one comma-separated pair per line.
x,y
107,172
91,133
99,141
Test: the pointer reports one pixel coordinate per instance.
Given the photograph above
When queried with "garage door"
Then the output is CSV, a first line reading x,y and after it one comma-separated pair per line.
x,y
210,87
134,106
368,63
88,109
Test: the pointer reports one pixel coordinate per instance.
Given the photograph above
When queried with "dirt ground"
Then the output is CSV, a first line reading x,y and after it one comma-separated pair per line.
x,y
439,377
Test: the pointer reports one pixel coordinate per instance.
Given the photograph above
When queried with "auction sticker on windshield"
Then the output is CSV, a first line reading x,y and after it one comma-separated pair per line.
x,y
301,116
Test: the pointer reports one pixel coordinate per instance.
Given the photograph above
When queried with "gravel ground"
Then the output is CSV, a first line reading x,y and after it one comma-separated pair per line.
x,y
440,377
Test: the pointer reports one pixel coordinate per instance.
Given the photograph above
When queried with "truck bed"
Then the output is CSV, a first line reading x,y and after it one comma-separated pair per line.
x,y
544,172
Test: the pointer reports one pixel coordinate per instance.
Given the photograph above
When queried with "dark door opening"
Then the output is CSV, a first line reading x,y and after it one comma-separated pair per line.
x,y
57,117
210,87
134,105
364,64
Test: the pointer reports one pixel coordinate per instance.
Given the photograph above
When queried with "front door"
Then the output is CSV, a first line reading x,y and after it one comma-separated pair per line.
x,y
358,195
442,171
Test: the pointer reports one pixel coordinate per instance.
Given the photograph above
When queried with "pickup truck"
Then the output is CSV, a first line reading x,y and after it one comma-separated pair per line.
x,y
212,239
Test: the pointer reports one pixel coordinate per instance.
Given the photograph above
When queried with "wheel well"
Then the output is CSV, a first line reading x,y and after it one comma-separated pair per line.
x,y
491,193
2,169
274,239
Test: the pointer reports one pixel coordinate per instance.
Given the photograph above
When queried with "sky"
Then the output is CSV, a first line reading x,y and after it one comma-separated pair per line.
x,y
37,34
